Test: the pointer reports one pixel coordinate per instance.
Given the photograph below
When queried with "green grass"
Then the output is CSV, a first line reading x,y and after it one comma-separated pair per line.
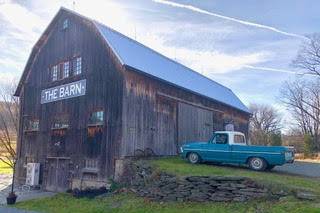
x,y
4,168
179,167
129,203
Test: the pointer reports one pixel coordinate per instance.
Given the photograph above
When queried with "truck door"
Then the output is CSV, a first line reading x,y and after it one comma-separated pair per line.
x,y
239,149
218,149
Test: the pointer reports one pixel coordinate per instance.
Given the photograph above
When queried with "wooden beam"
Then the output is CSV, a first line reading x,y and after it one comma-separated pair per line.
x,y
59,158
188,102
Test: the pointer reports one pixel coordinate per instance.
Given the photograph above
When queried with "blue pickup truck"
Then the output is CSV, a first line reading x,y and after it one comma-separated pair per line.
x,y
232,148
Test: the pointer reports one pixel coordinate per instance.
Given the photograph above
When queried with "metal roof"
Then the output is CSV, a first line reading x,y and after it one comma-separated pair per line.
x,y
144,59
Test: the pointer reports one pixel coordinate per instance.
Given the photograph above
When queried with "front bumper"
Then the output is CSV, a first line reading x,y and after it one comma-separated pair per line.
x,y
182,153
290,161
289,157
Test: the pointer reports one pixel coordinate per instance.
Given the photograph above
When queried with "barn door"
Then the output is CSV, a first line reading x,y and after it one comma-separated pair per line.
x,y
166,128
58,175
194,123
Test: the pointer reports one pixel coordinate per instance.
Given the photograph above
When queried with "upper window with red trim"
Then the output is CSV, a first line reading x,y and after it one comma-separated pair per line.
x,y
66,68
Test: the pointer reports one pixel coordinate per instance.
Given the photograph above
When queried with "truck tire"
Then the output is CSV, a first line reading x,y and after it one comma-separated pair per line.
x,y
257,164
194,158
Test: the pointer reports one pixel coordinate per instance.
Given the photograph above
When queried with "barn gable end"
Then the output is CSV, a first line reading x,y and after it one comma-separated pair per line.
x,y
71,147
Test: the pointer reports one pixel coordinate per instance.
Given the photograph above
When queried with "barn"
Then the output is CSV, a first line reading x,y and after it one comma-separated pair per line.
x,y
91,97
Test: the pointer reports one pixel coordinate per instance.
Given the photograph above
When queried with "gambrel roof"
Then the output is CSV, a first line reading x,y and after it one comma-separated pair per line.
x,y
139,57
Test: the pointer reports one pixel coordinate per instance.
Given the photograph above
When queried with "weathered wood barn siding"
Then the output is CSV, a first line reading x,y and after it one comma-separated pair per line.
x,y
104,91
142,114
162,117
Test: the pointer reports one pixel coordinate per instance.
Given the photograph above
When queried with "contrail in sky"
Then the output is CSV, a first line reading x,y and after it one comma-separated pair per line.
x,y
247,23
271,69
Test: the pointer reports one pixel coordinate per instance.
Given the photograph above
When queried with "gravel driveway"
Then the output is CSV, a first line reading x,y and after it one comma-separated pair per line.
x,y
300,168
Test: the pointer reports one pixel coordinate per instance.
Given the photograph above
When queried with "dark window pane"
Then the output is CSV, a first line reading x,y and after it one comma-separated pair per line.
x,y
96,117
221,139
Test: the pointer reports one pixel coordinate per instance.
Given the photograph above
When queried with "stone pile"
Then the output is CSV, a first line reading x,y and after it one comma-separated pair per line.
x,y
159,186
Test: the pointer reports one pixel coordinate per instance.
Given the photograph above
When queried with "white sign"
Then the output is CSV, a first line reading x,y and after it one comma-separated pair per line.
x,y
65,91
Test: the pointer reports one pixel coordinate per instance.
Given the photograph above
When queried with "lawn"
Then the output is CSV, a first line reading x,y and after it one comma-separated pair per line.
x,y
179,167
129,203
4,168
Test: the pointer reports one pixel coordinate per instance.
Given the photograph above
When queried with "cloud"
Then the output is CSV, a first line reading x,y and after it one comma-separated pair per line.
x,y
21,20
247,23
205,61
7,78
213,62
10,63
20,28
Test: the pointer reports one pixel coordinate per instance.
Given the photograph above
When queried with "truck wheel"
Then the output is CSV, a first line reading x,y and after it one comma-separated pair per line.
x,y
257,164
194,158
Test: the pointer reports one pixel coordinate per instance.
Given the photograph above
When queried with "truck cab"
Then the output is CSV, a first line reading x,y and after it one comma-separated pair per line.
x,y
232,148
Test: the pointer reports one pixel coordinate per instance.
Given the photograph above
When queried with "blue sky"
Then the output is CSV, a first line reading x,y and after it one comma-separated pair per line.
x,y
246,45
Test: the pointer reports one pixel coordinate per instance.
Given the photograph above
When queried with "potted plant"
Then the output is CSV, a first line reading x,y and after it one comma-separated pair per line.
x,y
12,197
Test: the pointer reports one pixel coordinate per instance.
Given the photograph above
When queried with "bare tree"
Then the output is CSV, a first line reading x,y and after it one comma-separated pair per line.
x,y
302,98
308,57
265,123
9,116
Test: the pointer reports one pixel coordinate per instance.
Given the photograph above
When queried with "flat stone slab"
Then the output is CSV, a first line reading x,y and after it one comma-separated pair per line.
x,y
306,196
34,195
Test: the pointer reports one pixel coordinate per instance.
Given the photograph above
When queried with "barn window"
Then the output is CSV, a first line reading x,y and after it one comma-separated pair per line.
x,y
60,125
90,165
77,66
96,118
65,24
94,133
66,69
94,141
32,125
54,73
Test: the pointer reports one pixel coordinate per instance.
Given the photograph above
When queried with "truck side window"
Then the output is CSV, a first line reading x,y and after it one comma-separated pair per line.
x,y
239,139
220,139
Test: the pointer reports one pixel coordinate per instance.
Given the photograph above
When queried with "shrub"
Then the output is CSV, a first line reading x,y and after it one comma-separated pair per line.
x,y
308,145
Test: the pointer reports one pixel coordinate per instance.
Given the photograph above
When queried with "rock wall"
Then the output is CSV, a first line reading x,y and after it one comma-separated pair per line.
x,y
159,186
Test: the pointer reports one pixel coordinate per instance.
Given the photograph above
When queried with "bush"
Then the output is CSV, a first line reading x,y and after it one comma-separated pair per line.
x,y
89,192
308,145
115,186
